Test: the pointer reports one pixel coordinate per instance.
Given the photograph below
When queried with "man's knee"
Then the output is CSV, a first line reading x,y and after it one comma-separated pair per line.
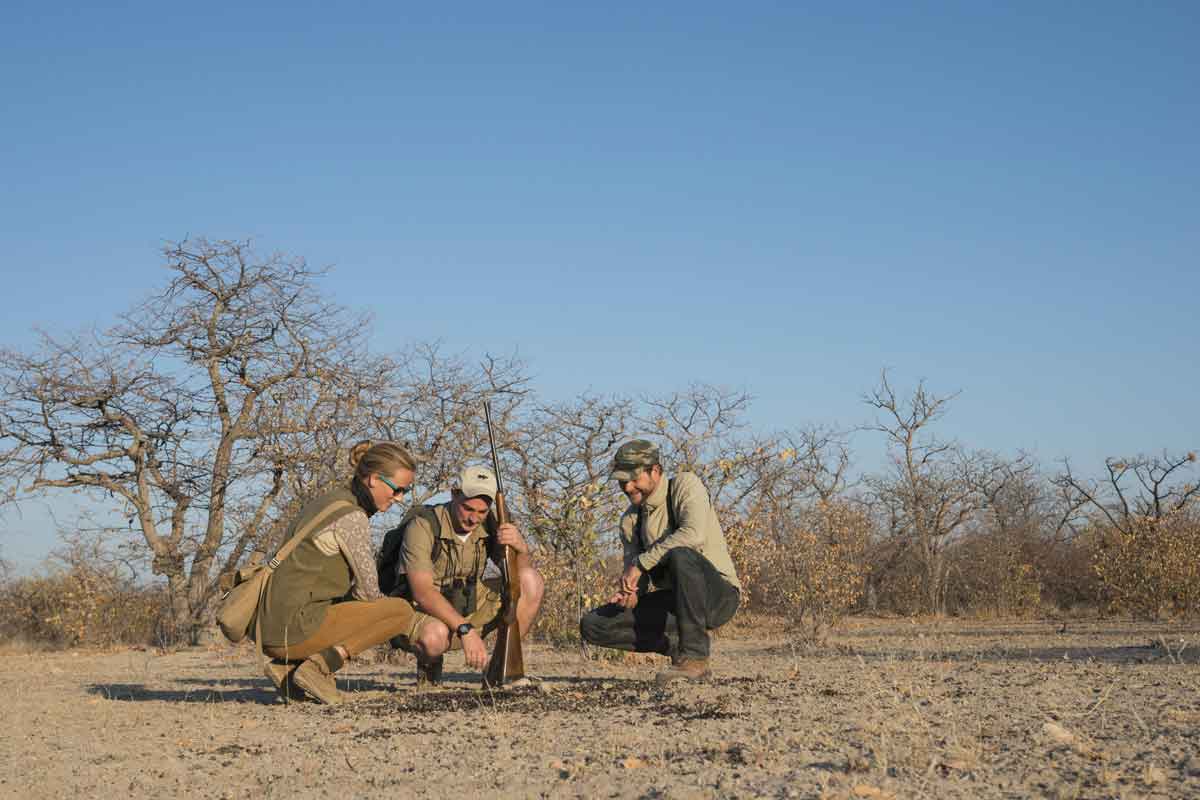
x,y
591,627
433,637
682,559
533,587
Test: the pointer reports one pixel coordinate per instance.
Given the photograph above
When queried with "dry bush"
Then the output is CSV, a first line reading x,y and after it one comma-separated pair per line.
x,y
816,572
748,549
994,577
570,593
1069,581
895,583
1151,566
82,607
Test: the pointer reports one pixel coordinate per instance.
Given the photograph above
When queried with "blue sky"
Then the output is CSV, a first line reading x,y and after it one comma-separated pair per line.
x,y
776,197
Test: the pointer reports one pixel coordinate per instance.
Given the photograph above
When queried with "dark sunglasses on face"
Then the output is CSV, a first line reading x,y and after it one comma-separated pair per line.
x,y
397,491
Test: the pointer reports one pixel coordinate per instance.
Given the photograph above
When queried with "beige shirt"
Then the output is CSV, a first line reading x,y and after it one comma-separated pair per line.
x,y
696,527
457,559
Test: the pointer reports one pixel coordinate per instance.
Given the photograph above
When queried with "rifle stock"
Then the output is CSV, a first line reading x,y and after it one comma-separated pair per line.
x,y
508,660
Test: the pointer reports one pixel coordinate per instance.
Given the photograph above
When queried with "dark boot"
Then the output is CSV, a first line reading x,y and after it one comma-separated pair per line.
x,y
429,672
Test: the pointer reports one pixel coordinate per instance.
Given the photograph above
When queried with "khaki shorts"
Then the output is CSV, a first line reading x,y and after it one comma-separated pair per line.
x,y
486,613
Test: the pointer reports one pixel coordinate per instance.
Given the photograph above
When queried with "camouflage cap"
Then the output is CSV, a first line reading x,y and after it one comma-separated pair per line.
x,y
631,457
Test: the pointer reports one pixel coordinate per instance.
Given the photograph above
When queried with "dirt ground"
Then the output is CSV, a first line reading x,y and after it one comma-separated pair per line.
x,y
890,709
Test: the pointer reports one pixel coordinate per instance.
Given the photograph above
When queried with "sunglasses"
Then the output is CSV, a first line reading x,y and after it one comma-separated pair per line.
x,y
397,491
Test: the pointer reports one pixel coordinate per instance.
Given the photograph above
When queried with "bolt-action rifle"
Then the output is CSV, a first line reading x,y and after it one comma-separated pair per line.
x,y
508,662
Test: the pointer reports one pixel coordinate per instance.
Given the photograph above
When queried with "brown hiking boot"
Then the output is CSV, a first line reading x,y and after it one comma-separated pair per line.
x,y
429,673
280,673
316,679
684,669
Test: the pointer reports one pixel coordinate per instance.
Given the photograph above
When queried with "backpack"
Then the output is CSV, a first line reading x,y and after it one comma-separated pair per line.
x,y
393,583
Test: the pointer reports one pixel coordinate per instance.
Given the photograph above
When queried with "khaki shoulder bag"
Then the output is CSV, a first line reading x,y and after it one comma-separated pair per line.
x,y
246,586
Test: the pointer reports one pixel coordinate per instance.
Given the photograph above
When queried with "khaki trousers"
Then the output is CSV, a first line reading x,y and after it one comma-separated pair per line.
x,y
353,624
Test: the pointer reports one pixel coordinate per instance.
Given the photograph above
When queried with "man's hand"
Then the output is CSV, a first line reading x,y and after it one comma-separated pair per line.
x,y
508,534
474,650
625,599
630,578
627,587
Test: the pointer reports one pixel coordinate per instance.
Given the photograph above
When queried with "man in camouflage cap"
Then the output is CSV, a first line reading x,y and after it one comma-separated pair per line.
x,y
672,539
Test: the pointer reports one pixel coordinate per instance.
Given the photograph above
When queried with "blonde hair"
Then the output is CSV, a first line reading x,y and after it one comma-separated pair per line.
x,y
382,458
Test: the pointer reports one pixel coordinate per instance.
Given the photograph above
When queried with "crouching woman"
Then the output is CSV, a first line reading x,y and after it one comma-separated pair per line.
x,y
323,605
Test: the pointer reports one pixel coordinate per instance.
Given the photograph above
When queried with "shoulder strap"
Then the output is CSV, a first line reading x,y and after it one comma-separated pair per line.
x,y
641,516
393,540
491,547
274,563
671,519
312,525
429,514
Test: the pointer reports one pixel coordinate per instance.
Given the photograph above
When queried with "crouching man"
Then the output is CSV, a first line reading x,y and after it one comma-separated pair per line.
x,y
444,563
672,539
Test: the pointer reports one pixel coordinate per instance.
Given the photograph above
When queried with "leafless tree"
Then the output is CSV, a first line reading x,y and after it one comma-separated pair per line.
x,y
804,467
1144,487
436,409
197,412
930,493
695,429
569,506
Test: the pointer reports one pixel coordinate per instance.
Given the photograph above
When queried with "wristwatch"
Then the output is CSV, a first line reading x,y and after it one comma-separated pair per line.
x,y
464,629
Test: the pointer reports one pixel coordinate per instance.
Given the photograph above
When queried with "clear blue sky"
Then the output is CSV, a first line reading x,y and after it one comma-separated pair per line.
x,y
777,197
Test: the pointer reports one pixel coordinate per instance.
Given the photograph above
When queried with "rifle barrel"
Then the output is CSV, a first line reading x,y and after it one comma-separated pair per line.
x,y
487,415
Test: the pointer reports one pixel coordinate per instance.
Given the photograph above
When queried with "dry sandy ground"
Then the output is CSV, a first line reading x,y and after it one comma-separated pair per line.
x,y
891,709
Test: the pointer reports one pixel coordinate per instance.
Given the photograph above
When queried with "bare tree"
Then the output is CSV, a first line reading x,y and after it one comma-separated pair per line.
x,y
206,400
437,409
930,491
696,428
1143,487
800,469
569,506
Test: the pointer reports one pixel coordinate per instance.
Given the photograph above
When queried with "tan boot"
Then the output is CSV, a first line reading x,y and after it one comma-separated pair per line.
x,y
280,673
684,669
315,677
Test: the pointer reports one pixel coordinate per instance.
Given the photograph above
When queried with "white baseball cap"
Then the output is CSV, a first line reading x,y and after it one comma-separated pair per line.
x,y
477,482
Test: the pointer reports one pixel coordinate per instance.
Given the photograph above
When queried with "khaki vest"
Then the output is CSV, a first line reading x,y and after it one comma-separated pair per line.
x,y
308,581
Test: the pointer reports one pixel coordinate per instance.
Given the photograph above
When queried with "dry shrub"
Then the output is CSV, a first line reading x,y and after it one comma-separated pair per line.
x,y
80,607
572,589
747,548
1153,566
1069,581
816,571
992,575
895,582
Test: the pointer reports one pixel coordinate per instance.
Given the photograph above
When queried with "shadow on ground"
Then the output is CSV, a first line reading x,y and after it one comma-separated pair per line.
x,y
579,696
261,692
1152,653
